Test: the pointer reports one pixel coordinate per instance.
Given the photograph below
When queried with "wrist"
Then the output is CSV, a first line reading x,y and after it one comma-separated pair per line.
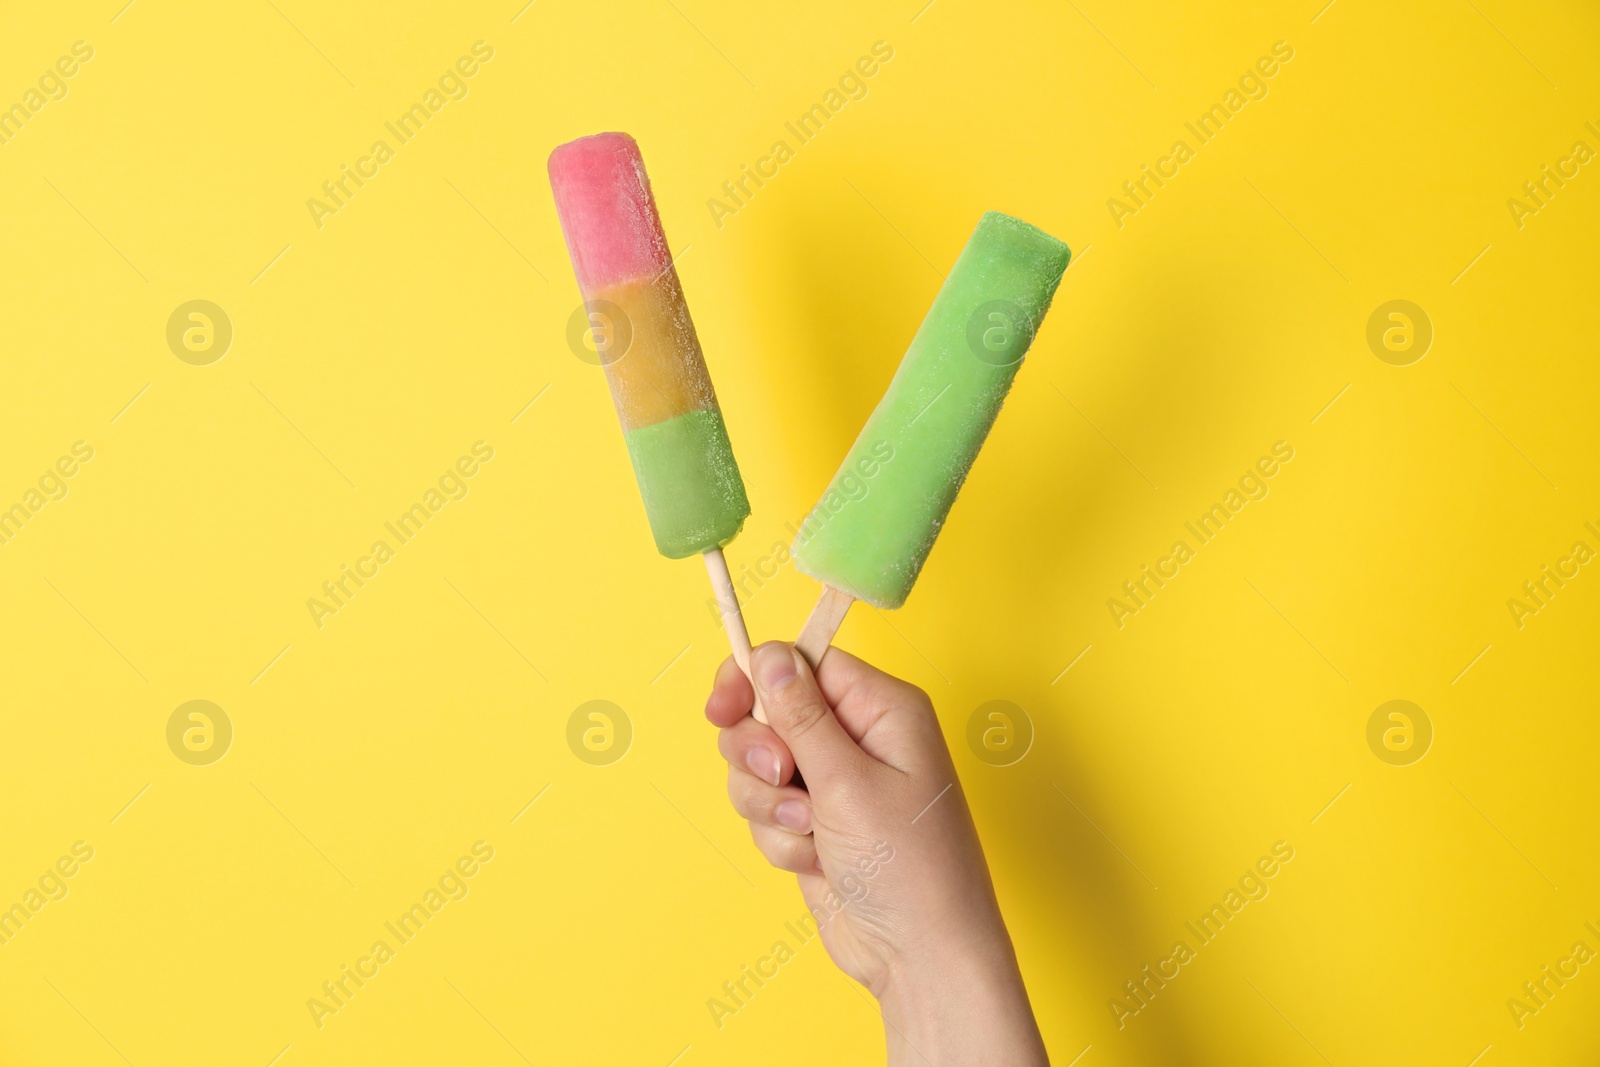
x,y
960,1007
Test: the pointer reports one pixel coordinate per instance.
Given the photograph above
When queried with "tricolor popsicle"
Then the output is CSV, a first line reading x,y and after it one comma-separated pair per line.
x,y
681,455
869,535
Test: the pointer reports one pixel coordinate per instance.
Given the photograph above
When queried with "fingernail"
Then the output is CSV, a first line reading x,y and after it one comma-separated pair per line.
x,y
795,815
773,667
763,764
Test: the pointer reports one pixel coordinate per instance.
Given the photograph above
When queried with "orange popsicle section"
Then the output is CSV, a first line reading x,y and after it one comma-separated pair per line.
x,y
660,374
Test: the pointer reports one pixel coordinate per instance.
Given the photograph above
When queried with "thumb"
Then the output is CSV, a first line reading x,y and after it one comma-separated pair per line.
x,y
799,715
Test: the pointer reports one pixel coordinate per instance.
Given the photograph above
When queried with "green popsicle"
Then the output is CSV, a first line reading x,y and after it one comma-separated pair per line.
x,y
871,532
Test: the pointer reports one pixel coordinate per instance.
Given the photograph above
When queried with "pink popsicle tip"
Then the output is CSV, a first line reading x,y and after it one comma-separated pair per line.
x,y
607,212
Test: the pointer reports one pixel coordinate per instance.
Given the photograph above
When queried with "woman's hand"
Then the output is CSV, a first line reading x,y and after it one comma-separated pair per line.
x,y
884,847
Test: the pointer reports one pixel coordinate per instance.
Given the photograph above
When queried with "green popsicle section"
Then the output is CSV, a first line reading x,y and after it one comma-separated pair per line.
x,y
690,483
872,530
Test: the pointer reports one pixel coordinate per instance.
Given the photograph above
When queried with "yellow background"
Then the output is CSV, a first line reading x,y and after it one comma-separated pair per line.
x,y
371,352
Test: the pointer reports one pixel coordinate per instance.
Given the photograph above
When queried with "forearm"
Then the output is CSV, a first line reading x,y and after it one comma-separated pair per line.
x,y
968,1010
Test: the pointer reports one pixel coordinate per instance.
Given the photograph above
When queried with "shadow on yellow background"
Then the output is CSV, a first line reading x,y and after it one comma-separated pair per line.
x,y
358,760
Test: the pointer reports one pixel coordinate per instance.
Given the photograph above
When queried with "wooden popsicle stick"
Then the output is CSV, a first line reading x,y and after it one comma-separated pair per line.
x,y
732,619
824,622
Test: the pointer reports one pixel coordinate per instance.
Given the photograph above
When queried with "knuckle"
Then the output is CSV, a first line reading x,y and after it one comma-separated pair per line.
x,y
753,799
798,718
784,851
739,792
733,744
915,696
855,795
733,741
915,701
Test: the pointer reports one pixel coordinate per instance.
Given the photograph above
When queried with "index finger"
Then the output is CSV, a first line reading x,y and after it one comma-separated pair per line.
x,y
731,695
